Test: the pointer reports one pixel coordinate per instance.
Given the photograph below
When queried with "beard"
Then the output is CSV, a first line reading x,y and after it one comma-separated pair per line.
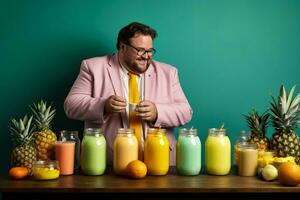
x,y
139,65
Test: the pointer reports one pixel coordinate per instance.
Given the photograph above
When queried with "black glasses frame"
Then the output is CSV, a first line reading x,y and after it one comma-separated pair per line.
x,y
142,51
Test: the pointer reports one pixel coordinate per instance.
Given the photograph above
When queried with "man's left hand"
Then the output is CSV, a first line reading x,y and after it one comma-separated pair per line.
x,y
147,111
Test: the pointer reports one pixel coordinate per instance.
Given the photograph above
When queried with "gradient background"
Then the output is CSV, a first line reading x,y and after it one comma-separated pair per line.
x,y
231,55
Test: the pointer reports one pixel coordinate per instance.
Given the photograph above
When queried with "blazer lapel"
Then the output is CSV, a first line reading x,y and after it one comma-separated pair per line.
x,y
114,74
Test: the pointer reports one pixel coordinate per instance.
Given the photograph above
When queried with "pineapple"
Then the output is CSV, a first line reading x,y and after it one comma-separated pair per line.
x,y
258,125
285,119
24,153
44,138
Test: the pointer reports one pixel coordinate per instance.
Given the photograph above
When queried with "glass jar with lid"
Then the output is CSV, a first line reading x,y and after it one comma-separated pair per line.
x,y
125,150
157,152
242,139
93,152
45,170
66,135
188,152
248,156
217,152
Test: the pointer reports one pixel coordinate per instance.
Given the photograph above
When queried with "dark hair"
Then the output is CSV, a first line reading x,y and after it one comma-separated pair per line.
x,y
131,29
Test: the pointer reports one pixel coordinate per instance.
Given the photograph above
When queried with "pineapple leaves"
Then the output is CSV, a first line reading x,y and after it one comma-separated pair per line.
x,y
282,99
257,123
43,114
28,122
21,131
285,113
291,95
296,101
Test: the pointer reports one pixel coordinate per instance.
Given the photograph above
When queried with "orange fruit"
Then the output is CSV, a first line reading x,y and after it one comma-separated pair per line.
x,y
289,174
136,169
18,172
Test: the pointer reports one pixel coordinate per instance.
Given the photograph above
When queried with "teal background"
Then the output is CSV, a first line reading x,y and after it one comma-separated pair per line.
x,y
231,55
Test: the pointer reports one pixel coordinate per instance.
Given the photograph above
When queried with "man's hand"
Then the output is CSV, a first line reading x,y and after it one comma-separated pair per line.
x,y
114,104
147,111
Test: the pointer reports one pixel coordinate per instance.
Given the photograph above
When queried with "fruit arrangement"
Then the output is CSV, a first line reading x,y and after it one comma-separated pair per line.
x,y
32,138
283,150
270,168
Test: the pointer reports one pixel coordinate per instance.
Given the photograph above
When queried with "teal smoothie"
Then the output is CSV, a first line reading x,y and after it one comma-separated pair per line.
x,y
93,154
188,153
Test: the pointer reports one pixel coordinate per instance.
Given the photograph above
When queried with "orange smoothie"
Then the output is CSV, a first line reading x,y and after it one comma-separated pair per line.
x,y
157,152
64,152
125,150
217,152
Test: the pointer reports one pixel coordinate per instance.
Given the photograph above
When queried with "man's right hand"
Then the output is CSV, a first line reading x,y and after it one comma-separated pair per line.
x,y
115,104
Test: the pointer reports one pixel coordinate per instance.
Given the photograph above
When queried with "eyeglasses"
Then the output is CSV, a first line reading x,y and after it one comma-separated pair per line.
x,y
141,51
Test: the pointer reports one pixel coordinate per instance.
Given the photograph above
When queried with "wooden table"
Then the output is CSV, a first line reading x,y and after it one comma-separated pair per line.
x,y
110,186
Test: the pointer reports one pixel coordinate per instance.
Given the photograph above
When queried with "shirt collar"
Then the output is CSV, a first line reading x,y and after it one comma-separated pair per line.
x,y
124,70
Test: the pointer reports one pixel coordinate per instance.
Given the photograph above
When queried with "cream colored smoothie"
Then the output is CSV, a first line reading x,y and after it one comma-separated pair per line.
x,y
217,152
248,155
243,138
125,150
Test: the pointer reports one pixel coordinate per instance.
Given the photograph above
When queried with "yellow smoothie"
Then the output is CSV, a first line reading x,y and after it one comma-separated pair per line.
x,y
125,150
217,152
157,152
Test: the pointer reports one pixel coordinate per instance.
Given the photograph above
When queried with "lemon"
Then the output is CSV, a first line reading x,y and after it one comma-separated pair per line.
x,y
269,172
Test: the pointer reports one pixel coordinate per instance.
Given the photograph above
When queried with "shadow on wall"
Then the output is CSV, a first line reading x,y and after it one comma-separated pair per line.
x,y
50,77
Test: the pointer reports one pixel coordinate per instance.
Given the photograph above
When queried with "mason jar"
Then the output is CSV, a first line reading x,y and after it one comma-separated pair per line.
x,y
188,152
125,150
45,170
93,152
242,139
248,156
66,135
217,152
157,152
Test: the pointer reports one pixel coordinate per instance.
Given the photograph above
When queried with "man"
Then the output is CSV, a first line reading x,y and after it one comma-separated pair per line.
x,y
109,89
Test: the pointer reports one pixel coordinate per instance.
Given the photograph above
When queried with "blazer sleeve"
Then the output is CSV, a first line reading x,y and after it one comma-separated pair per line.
x,y
176,113
80,104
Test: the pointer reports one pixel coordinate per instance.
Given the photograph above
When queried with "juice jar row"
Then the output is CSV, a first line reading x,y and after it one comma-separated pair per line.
x,y
157,150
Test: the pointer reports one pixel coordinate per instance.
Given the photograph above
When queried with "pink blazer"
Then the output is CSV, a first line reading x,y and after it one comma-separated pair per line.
x,y
99,78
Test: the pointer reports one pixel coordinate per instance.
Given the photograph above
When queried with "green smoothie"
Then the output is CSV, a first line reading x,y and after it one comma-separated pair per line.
x,y
188,153
93,153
